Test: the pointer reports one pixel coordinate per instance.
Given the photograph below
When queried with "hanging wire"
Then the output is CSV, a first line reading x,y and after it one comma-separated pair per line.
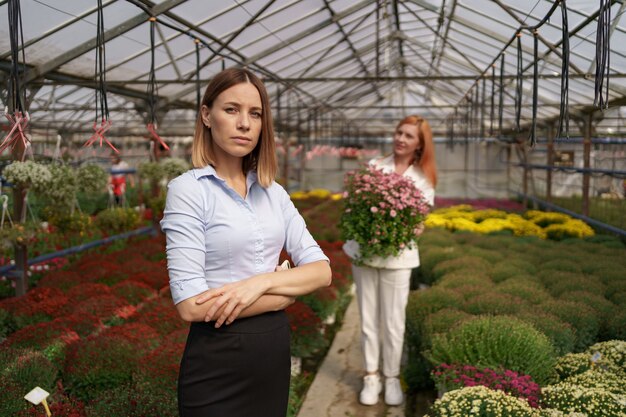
x,y
16,38
450,120
102,106
101,91
519,82
501,98
603,50
476,108
19,118
533,129
467,118
493,98
470,111
197,42
153,89
454,120
564,110
482,108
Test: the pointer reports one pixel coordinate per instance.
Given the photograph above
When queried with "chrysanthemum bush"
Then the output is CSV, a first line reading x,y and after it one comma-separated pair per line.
x,y
494,342
382,212
593,402
449,377
118,343
481,401
306,330
545,225
609,356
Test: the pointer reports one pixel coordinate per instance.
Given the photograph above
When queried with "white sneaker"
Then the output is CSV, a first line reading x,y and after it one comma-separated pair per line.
x,y
371,390
393,392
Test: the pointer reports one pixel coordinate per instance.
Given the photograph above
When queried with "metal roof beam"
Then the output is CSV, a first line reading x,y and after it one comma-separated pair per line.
x,y
85,47
329,50
226,44
57,28
307,32
346,38
165,44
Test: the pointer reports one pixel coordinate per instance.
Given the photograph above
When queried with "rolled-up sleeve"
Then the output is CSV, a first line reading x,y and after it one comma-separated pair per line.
x,y
184,226
299,243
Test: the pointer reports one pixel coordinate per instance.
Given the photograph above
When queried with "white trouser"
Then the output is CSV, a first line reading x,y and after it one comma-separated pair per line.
x,y
382,295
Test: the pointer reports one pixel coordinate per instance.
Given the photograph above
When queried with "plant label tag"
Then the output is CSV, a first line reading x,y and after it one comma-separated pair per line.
x,y
596,357
285,265
37,395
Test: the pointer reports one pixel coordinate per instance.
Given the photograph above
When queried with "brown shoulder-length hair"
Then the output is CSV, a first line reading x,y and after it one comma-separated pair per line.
x,y
425,155
263,156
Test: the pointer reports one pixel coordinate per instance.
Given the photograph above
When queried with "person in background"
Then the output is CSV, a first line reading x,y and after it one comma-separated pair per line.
x,y
226,222
382,287
117,180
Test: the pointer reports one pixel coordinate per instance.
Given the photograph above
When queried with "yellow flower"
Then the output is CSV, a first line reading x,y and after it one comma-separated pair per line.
x,y
319,193
299,195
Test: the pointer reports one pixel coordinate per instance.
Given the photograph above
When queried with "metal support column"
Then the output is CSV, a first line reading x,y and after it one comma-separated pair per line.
x,y
586,163
550,162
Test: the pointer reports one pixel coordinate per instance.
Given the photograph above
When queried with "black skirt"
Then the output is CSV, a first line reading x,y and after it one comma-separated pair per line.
x,y
239,370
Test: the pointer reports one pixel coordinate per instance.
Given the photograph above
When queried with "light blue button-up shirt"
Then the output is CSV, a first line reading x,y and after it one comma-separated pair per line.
x,y
215,236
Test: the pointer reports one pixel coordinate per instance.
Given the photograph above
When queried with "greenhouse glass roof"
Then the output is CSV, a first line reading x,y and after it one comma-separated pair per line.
x,y
354,66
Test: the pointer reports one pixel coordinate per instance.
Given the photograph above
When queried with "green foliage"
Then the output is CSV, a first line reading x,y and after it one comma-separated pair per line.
x,y
504,270
561,334
151,171
603,306
496,342
440,322
167,168
437,238
323,302
416,373
465,263
28,174
298,386
431,257
68,222
423,303
492,302
7,323
530,291
491,256
98,364
21,371
561,265
581,317
27,369
117,220
560,280
616,325
92,179
60,193
459,278
173,167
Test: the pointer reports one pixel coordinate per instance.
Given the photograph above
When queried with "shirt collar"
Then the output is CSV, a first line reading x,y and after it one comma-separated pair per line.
x,y
209,171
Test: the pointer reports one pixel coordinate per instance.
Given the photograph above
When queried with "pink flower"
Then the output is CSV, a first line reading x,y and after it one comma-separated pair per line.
x,y
374,209
393,213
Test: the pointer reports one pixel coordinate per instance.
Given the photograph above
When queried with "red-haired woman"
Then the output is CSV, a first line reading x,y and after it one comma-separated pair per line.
x,y
226,222
383,283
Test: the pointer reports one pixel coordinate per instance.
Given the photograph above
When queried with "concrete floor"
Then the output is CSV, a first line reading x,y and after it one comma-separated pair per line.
x,y
334,392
